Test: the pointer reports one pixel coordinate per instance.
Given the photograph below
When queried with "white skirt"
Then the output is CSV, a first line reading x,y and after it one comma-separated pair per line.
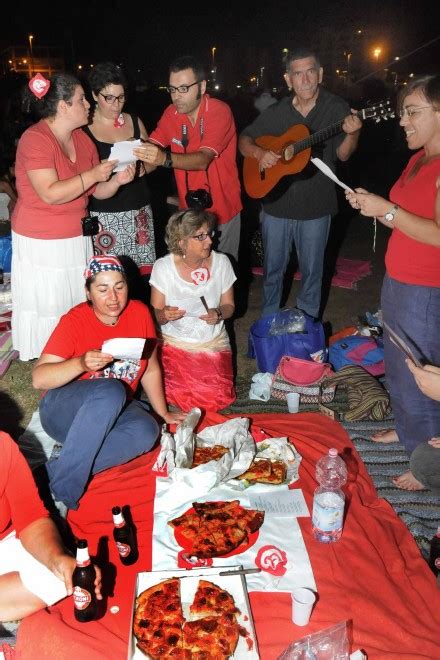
x,y
46,281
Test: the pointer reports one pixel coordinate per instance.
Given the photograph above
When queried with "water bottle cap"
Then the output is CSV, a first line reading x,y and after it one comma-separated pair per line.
x,y
332,452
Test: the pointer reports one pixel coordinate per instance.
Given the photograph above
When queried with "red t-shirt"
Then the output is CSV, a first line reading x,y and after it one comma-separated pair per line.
x,y
407,260
38,149
20,504
214,130
80,331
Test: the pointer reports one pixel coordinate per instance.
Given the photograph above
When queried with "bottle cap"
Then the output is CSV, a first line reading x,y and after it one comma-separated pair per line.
x,y
116,510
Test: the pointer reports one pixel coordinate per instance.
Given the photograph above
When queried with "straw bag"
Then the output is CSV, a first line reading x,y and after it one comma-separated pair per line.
x,y
305,377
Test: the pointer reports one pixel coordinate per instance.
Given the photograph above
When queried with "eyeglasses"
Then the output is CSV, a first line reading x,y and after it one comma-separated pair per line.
x,y
182,89
111,98
412,110
204,236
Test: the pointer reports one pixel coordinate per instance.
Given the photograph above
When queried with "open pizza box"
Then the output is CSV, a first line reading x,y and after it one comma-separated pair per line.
x,y
235,585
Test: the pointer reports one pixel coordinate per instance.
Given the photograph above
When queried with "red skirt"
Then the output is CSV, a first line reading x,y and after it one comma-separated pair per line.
x,y
202,379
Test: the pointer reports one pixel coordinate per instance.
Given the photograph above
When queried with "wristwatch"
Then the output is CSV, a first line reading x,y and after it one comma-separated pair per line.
x,y
168,160
219,314
389,217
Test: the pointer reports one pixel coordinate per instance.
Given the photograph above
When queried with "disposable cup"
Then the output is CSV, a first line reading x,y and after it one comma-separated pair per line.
x,y
302,604
293,402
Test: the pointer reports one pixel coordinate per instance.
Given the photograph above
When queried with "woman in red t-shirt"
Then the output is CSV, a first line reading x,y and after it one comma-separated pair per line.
x,y
411,289
90,406
57,168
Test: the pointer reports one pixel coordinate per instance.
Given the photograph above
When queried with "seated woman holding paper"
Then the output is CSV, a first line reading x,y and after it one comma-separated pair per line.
x,y
89,407
125,221
192,294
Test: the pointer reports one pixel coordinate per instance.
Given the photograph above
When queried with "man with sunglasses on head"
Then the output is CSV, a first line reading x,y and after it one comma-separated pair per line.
x,y
298,211
196,136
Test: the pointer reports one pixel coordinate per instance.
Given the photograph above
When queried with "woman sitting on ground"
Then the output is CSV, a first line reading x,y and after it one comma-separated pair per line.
x,y
35,568
90,407
192,295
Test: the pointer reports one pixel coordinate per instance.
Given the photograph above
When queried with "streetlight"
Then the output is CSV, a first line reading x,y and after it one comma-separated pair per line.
x,y
213,49
377,52
31,54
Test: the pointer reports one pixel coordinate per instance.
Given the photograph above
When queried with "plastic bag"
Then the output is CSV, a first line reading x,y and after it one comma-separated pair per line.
x,y
292,320
329,644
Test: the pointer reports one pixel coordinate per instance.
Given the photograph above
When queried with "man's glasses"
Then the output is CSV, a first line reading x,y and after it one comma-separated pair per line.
x,y
182,89
111,98
412,110
204,236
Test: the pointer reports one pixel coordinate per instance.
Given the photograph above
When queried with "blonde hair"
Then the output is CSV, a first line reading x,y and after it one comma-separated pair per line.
x,y
182,225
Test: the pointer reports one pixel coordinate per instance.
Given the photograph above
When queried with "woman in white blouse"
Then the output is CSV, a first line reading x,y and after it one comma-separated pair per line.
x,y
192,294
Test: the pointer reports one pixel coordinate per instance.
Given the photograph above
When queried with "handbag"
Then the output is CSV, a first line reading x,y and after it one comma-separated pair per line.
x,y
305,377
358,350
268,349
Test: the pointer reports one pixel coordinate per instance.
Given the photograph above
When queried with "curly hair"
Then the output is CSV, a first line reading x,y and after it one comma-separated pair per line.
x,y
62,88
106,73
183,224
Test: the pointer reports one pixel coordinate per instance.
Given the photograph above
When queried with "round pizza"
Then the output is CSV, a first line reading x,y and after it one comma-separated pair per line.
x,y
211,631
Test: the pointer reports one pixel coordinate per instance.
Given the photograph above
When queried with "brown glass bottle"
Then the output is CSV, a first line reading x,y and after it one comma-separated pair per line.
x,y
83,578
125,538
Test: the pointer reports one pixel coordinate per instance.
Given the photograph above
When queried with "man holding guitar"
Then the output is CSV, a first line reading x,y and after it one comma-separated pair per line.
x,y
298,209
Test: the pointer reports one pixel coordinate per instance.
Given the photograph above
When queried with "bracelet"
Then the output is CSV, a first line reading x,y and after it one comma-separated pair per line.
x,y
82,183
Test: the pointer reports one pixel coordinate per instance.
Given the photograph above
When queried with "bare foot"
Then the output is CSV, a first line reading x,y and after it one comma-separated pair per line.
x,y
407,481
385,436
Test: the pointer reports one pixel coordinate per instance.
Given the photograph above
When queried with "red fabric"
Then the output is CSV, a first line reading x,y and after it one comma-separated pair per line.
x,y
216,122
374,576
38,149
80,330
203,379
408,260
20,504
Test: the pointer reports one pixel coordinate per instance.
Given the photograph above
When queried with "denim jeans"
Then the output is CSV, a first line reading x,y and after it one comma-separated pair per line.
x,y
414,313
310,238
97,428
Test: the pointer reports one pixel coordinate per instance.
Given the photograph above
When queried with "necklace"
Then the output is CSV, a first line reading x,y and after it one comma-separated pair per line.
x,y
200,274
104,323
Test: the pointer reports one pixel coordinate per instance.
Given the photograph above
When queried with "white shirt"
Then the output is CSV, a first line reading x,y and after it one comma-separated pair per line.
x,y
186,295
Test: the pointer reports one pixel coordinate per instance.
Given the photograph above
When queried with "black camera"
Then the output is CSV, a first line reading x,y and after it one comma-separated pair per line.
x,y
199,199
90,225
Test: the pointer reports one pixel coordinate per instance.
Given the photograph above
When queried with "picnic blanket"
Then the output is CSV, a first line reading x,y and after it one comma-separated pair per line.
x,y
373,577
347,272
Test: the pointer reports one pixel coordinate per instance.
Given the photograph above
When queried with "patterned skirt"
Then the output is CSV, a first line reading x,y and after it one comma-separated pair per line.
x,y
127,233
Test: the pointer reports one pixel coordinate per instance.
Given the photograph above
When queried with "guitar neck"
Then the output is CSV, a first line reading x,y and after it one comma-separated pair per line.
x,y
320,136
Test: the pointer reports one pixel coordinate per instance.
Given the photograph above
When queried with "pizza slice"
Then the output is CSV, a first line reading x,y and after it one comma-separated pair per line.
x,y
278,474
250,520
213,637
211,599
205,508
258,469
205,454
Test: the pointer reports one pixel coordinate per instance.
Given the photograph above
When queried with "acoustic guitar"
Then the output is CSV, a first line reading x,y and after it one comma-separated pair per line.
x,y
295,148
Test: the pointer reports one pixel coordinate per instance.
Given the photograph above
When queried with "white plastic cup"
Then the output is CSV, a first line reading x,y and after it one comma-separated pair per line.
x,y
302,604
293,402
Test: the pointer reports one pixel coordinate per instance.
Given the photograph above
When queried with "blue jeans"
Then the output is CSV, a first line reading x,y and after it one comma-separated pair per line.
x,y
98,430
414,313
310,238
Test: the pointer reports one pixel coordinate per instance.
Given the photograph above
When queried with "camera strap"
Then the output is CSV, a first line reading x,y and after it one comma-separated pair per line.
x,y
185,143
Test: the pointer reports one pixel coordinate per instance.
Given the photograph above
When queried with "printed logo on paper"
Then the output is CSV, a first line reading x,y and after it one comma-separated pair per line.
x,y
272,560
184,560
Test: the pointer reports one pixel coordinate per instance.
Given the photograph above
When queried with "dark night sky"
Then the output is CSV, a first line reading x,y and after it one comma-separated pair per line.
x,y
151,36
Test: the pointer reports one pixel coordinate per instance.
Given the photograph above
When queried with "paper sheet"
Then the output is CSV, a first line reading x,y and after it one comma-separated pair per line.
x,y
192,306
123,152
281,503
328,172
124,348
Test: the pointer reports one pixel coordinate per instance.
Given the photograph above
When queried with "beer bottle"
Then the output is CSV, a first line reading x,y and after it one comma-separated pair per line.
x,y
125,539
83,578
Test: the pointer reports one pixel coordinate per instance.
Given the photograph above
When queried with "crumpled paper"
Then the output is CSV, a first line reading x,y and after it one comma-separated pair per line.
x,y
177,452
261,386
275,449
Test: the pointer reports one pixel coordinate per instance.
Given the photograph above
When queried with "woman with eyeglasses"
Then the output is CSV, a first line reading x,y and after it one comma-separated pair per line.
x,y
126,220
411,288
192,294
57,170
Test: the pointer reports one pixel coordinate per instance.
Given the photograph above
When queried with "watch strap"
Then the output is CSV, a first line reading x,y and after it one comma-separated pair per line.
x,y
168,159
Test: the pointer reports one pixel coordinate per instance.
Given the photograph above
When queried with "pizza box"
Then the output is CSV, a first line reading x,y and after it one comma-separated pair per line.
x,y
247,648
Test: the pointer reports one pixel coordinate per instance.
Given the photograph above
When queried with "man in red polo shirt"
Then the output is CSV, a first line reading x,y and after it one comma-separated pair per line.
x,y
196,136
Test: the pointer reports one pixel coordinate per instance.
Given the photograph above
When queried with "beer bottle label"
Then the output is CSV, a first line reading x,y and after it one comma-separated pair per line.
x,y
81,598
123,549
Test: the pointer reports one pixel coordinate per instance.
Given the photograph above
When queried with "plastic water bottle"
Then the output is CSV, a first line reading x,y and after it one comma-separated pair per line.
x,y
329,499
